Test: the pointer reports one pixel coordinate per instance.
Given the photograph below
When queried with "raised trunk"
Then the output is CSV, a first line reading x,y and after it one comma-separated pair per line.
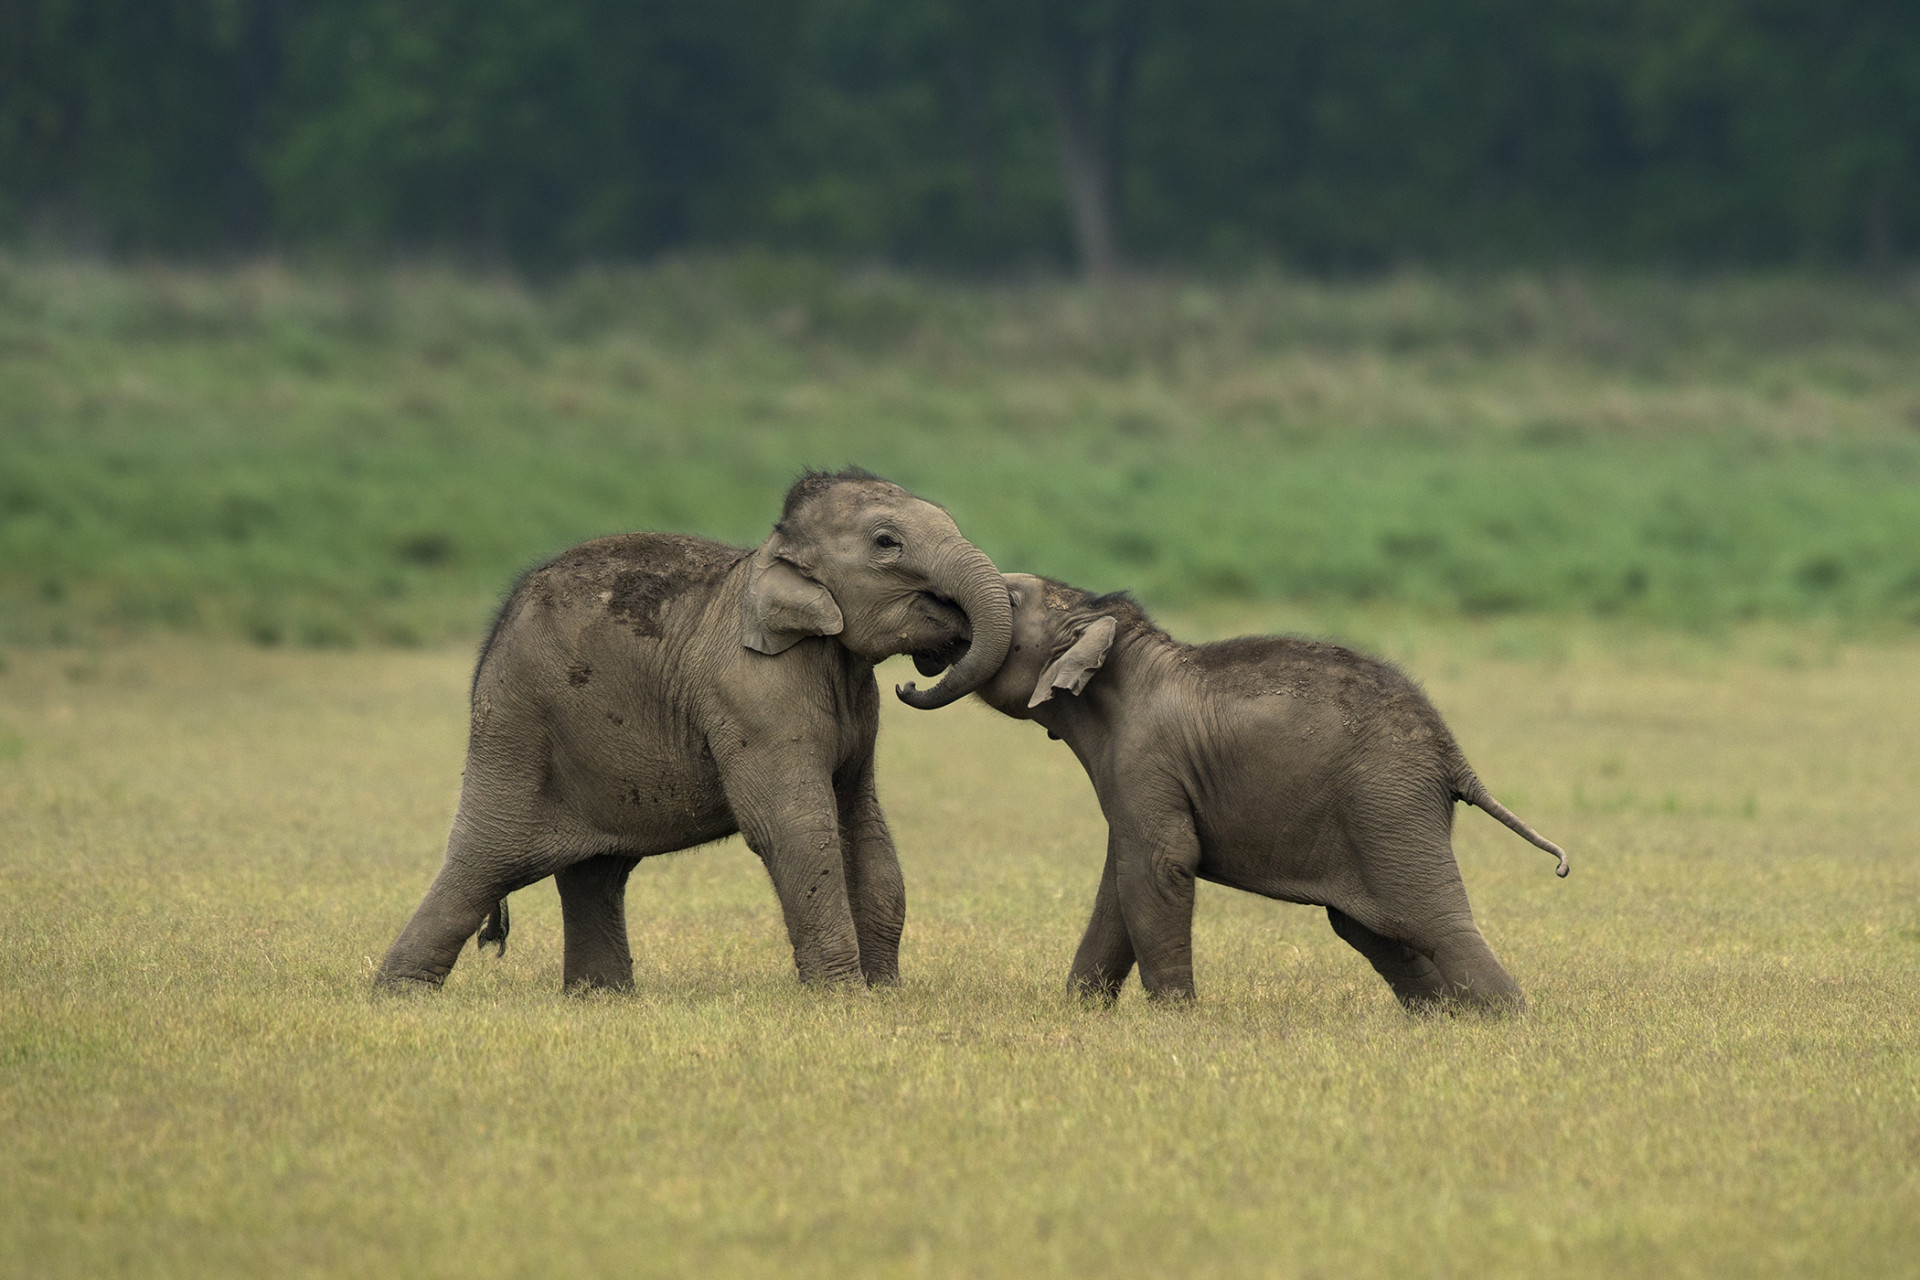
x,y
970,581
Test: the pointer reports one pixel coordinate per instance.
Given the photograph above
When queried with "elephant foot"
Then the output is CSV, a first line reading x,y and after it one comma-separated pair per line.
x,y
1097,990
589,984
401,985
834,980
1493,1007
855,985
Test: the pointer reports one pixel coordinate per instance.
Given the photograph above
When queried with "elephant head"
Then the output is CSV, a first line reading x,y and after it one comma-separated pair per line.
x,y
1061,638
861,559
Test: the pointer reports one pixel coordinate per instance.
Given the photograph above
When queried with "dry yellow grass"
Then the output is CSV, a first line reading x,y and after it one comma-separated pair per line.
x,y
204,849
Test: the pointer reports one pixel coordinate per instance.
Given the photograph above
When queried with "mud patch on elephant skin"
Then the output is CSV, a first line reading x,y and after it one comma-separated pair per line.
x,y
640,593
633,576
578,674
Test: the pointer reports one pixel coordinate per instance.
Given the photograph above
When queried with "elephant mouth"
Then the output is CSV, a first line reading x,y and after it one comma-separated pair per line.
x,y
948,619
936,661
931,662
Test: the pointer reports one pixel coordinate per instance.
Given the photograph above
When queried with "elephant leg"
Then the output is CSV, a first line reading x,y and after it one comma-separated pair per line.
x,y
1413,895
876,891
1412,976
1105,955
1154,865
1427,905
593,913
789,816
1474,976
472,881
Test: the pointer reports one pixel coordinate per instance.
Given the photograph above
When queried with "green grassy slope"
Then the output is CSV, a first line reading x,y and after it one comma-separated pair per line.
x,y
328,459
208,846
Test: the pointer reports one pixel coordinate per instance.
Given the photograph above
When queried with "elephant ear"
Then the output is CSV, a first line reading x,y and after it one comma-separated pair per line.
x,y
1072,669
781,606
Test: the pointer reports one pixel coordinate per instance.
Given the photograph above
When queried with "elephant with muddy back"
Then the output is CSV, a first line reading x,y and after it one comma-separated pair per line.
x,y
1290,768
651,692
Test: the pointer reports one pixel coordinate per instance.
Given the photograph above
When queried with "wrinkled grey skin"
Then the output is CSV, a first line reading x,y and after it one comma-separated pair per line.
x,y
647,693
1285,767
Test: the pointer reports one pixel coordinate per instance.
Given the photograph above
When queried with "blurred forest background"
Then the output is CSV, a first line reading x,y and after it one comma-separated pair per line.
x,y
319,318
972,132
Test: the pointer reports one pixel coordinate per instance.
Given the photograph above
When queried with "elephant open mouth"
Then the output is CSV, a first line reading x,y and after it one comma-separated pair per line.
x,y
952,619
933,661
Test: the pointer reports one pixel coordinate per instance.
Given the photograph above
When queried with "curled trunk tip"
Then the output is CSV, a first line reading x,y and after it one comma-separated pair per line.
x,y
981,592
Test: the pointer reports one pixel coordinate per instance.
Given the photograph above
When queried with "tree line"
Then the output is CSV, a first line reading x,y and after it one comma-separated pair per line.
x,y
971,132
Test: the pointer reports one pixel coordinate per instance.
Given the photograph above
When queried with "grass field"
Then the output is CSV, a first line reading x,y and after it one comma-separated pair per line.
x,y
329,459
1653,545
207,846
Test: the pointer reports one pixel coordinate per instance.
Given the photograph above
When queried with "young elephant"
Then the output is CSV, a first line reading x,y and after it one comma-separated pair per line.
x,y
1286,767
651,692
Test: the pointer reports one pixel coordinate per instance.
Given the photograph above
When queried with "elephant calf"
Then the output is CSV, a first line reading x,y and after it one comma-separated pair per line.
x,y
651,692
1289,768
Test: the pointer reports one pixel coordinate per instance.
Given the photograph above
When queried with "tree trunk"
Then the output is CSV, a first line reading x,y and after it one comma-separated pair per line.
x,y
256,69
1090,79
974,131
1089,184
1881,250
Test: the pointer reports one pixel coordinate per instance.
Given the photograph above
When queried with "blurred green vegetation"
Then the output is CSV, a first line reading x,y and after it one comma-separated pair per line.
x,y
319,459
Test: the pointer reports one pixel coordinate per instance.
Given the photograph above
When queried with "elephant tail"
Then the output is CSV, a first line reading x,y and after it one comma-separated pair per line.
x,y
1467,786
496,927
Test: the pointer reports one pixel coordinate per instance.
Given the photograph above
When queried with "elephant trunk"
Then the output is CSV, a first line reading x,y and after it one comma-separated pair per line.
x,y
969,579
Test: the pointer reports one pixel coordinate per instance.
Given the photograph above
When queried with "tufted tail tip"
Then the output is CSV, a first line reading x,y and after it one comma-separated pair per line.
x,y
495,929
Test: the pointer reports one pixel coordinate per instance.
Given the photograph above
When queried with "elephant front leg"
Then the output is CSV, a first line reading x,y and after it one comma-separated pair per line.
x,y
593,914
1105,957
1154,867
876,891
789,816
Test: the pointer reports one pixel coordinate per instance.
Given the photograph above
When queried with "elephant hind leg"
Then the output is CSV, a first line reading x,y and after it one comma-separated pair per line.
x,y
593,913
452,912
1414,978
1474,976
485,862
1414,898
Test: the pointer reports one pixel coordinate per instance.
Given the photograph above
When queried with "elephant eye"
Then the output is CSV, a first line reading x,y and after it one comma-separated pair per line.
x,y
886,540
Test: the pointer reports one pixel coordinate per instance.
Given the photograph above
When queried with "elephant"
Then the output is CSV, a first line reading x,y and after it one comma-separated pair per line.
x,y
1294,769
650,692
